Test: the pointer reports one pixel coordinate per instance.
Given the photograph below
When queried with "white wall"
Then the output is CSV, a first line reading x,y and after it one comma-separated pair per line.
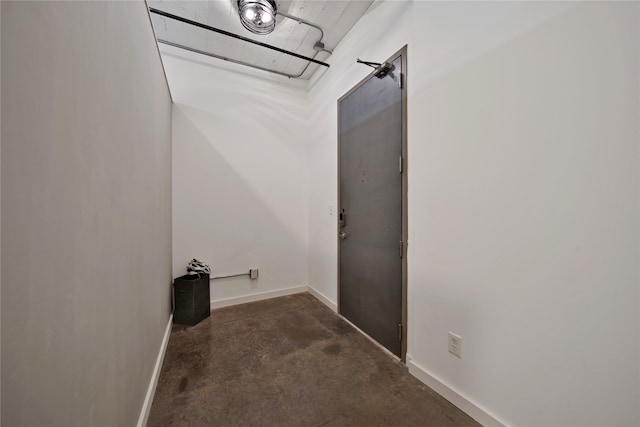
x,y
239,176
523,199
527,229
86,212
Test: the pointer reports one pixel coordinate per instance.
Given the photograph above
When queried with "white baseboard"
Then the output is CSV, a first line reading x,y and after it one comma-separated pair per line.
x,y
257,297
323,299
148,400
472,409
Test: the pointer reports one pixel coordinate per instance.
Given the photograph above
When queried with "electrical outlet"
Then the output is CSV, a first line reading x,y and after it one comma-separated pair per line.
x,y
253,273
455,344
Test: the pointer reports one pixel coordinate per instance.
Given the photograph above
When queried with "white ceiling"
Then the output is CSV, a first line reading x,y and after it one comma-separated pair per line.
x,y
335,17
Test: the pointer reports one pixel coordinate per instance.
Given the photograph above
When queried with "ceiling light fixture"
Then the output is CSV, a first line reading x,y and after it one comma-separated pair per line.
x,y
258,16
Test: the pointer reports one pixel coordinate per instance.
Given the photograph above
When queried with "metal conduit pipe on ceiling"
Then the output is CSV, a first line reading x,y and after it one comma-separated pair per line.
x,y
235,61
318,46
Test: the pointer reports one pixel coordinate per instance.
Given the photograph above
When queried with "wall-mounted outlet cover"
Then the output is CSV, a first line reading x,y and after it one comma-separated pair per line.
x,y
253,273
455,344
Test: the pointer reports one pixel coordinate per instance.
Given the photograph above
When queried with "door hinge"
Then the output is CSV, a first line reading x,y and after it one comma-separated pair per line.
x,y
399,331
400,81
400,164
401,247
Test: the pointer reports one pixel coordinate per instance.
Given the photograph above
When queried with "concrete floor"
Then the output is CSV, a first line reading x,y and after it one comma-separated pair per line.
x,y
288,361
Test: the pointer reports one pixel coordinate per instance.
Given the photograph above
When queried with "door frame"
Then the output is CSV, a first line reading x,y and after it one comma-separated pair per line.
x,y
405,180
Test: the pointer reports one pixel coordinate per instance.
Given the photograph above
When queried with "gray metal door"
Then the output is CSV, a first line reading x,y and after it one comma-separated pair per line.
x,y
371,247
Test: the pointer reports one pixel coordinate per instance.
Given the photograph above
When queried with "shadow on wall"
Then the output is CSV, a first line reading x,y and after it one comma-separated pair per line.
x,y
238,70
261,108
238,200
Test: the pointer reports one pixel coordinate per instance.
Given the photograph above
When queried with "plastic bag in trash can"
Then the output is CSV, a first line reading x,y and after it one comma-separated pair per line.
x,y
198,267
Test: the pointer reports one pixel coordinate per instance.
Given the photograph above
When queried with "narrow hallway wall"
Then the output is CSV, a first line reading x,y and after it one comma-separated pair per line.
x,y
239,177
86,212
525,208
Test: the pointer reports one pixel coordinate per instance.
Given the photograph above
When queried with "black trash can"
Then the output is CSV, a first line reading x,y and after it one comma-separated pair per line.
x,y
191,296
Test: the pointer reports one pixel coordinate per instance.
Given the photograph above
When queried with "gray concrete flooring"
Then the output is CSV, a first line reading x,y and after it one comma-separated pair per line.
x,y
288,361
